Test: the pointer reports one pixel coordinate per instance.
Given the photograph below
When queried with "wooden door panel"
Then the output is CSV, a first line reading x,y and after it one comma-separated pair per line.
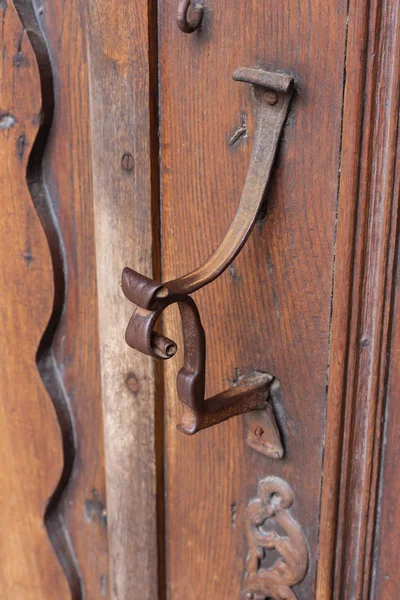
x,y
385,580
62,303
124,141
363,351
271,311
123,99
75,347
31,461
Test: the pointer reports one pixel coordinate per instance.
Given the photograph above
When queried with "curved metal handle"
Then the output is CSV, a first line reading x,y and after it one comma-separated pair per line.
x,y
273,92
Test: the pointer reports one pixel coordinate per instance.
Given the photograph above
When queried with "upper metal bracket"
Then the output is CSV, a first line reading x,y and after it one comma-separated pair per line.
x,y
273,93
189,15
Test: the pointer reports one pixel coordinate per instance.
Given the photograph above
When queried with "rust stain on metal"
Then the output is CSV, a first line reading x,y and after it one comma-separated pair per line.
x,y
152,297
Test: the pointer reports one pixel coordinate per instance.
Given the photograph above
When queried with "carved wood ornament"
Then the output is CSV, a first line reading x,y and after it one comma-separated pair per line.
x,y
272,505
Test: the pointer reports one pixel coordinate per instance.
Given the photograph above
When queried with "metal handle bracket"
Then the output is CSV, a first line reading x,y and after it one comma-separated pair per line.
x,y
273,93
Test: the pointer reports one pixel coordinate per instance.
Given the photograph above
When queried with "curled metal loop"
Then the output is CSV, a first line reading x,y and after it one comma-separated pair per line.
x,y
189,15
250,394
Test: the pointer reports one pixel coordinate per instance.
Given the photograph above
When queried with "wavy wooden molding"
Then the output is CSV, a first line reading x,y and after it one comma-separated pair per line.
x,y
67,175
271,509
30,58
33,464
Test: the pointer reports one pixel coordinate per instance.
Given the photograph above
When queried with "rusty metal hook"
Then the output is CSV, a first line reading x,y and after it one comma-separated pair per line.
x,y
251,393
273,92
189,16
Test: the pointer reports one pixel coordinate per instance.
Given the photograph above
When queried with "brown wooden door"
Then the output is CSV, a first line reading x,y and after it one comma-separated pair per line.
x,y
124,141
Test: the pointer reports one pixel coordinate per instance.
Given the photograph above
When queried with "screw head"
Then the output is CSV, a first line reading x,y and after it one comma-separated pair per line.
x,y
271,97
127,161
250,595
258,431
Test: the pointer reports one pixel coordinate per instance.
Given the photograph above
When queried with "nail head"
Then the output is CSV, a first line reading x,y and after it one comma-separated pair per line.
x,y
271,97
127,161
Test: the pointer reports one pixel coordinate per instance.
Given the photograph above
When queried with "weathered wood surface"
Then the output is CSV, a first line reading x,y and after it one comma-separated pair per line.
x,y
68,357
272,310
68,174
120,113
363,337
30,439
386,577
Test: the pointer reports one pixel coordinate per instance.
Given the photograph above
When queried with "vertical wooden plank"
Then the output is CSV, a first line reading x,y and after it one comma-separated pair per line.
x,y
69,355
30,441
340,342
122,186
362,302
271,311
385,573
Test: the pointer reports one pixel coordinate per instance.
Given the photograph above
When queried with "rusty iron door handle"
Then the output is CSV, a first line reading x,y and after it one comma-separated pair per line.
x,y
273,93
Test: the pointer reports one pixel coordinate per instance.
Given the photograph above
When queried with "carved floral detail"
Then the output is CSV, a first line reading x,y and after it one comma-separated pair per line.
x,y
272,505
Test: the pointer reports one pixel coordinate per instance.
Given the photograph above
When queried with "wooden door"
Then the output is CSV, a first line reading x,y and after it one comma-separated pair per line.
x,y
125,142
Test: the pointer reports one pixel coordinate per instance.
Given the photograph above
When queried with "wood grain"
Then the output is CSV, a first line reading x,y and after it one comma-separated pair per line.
x,y
69,356
386,577
367,232
272,310
30,441
120,100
